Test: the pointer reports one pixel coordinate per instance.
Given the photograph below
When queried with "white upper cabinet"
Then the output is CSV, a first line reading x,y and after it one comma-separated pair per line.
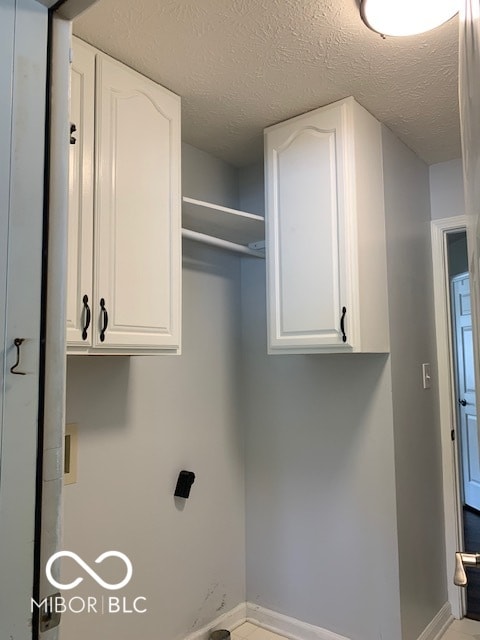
x,y
80,203
325,227
135,257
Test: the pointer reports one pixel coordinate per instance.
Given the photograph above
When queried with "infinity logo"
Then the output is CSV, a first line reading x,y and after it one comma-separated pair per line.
x,y
89,570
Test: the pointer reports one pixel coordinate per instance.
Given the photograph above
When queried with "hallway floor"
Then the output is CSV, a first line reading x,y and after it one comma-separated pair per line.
x,y
249,631
465,629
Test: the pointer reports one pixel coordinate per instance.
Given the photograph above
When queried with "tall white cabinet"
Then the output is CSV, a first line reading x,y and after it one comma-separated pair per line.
x,y
124,253
325,227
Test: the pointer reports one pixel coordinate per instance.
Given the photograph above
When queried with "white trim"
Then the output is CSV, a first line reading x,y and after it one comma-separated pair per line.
x,y
286,626
70,8
229,620
451,496
296,629
47,3
275,622
55,346
439,624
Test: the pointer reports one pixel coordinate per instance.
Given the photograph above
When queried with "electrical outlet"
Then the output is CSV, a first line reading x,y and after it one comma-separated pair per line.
x,y
427,381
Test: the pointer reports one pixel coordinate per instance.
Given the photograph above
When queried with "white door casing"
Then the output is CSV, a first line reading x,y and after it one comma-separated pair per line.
x,y
23,44
465,385
447,404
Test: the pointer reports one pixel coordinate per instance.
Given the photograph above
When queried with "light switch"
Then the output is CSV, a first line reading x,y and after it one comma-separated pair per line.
x,y
426,375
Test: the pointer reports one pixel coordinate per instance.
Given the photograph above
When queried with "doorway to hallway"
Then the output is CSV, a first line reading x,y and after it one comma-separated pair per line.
x,y
465,429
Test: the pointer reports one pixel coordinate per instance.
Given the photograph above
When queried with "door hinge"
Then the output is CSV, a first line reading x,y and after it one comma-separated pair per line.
x,y
452,435
49,613
73,128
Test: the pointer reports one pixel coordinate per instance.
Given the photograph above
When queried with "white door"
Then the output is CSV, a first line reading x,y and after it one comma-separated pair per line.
x,y
23,40
465,375
305,231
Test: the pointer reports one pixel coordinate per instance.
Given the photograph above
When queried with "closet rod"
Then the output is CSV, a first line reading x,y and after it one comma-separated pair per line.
x,y
224,244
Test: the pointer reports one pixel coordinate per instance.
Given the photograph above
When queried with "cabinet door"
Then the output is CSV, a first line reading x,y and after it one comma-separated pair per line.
x,y
137,214
80,204
306,232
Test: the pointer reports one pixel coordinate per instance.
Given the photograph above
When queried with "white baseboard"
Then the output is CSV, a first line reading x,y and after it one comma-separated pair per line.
x,y
286,626
228,620
296,629
440,623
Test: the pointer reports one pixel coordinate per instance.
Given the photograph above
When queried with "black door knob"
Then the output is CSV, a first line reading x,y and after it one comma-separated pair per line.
x,y
463,402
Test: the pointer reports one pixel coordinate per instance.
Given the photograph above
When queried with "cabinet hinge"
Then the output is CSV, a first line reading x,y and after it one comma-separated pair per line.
x,y
73,128
452,435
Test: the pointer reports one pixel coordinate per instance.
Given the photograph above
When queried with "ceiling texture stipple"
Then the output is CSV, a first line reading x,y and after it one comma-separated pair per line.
x,y
241,65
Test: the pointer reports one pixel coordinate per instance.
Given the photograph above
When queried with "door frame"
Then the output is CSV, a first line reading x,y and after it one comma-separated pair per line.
x,y
447,409
50,484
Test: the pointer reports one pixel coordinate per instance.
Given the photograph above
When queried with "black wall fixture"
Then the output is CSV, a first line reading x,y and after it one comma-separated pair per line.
x,y
184,484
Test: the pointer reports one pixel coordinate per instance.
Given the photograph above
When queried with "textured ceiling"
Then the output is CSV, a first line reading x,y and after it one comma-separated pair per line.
x,y
241,65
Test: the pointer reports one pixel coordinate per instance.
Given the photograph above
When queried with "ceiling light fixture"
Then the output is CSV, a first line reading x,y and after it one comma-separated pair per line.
x,y
406,17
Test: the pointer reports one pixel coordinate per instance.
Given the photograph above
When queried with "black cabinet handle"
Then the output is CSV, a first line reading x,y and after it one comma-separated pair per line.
x,y
105,319
342,324
88,317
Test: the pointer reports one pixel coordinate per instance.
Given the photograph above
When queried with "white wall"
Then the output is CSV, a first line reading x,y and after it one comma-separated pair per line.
x,y
143,419
417,433
446,190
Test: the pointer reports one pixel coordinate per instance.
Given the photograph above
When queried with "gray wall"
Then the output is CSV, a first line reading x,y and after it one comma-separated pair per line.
x,y
251,189
417,433
330,460
446,189
340,447
205,177
321,519
143,419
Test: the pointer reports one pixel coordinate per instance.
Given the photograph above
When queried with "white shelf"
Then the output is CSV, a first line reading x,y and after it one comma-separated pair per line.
x,y
221,226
